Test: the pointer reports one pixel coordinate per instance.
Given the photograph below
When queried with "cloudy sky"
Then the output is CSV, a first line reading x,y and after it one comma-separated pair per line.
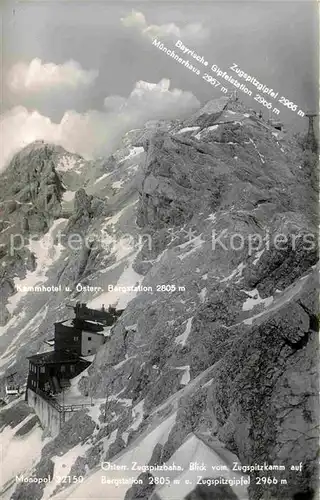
x,y
73,71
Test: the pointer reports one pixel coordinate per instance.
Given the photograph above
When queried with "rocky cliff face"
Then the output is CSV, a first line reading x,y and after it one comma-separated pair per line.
x,y
219,341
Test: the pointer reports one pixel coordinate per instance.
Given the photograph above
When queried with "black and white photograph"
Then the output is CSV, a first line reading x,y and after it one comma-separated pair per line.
x,y
159,278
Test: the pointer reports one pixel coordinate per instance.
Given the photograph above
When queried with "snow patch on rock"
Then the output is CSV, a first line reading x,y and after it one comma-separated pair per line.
x,y
237,273
255,300
46,253
69,162
120,295
182,339
188,129
134,151
117,184
13,460
139,452
185,379
194,450
104,176
196,242
68,196
202,295
257,256
137,415
62,467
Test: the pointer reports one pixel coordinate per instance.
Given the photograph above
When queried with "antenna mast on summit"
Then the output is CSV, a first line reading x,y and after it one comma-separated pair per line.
x,y
311,142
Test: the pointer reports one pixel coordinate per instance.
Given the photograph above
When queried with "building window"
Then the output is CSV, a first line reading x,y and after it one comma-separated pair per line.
x,y
89,338
43,369
63,368
75,338
71,368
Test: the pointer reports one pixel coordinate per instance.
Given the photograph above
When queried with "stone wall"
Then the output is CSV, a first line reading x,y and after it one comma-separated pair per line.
x,y
47,414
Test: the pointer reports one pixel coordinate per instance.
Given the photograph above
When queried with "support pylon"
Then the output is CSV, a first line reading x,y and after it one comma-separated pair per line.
x,y
311,141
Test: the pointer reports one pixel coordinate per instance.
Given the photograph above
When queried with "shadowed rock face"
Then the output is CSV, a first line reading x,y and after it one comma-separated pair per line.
x,y
232,348
14,415
232,165
34,186
203,492
306,495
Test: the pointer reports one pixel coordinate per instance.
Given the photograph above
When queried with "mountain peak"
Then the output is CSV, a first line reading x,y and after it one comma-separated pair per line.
x,y
219,319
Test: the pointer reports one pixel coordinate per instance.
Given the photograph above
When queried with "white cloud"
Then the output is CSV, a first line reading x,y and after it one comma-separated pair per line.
x,y
95,133
37,76
149,99
114,102
190,33
134,20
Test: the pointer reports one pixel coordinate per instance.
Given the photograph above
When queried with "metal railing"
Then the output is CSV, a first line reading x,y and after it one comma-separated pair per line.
x,y
60,408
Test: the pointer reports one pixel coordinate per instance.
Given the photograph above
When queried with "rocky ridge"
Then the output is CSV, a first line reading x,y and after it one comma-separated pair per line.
x,y
222,344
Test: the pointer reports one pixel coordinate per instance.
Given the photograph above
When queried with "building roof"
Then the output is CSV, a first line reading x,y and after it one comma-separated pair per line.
x,y
53,357
194,450
66,322
49,342
88,326
105,316
81,324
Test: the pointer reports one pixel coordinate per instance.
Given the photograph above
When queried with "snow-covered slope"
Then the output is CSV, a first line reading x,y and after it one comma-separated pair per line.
x,y
21,444
213,336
